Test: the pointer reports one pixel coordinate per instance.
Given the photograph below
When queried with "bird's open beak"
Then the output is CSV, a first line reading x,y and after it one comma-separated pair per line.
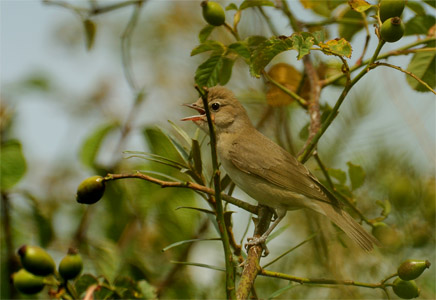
x,y
199,117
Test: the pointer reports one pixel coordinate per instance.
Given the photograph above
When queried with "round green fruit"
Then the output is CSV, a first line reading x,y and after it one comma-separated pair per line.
x,y
412,268
405,289
90,190
392,30
35,260
71,265
27,283
213,13
391,8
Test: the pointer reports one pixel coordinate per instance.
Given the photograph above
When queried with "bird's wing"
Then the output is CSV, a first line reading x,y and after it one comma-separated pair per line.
x,y
277,166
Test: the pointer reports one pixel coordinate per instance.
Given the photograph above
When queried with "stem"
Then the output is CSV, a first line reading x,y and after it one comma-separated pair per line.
x,y
304,280
233,32
307,151
228,256
399,51
377,64
189,185
300,100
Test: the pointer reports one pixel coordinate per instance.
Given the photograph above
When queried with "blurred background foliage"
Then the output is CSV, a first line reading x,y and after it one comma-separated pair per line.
x,y
384,127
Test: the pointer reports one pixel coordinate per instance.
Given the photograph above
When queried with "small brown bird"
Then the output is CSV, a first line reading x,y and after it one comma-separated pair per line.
x,y
267,172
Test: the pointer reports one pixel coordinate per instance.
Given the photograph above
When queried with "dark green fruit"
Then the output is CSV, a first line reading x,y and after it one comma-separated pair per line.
x,y
35,260
391,8
27,283
90,190
392,30
71,265
213,13
405,289
412,268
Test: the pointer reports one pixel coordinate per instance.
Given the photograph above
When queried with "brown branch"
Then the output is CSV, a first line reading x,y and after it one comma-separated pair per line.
x,y
188,184
251,264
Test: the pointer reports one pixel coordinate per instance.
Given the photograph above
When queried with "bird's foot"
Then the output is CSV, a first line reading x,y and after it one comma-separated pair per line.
x,y
254,241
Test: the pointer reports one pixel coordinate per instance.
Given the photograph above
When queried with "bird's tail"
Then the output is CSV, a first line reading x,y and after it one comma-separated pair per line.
x,y
353,229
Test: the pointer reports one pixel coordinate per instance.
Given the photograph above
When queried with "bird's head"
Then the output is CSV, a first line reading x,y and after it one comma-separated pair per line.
x,y
225,110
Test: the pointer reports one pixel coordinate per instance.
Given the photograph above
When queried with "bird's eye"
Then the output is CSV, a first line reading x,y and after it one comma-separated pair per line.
x,y
215,106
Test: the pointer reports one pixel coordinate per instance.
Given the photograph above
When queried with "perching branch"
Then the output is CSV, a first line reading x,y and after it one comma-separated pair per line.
x,y
189,185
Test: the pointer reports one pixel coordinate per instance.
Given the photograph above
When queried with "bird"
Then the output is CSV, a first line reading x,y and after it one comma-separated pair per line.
x,y
267,172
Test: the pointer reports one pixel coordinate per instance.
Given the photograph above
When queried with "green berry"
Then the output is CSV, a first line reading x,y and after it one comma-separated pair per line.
x,y
392,30
90,190
405,289
412,268
213,13
27,283
71,265
391,8
35,260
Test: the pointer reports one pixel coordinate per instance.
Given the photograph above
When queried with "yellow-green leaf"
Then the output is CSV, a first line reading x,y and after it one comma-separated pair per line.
x,y
423,65
339,47
359,5
356,174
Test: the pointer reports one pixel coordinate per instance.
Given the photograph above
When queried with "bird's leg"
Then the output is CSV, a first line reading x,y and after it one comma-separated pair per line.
x,y
252,241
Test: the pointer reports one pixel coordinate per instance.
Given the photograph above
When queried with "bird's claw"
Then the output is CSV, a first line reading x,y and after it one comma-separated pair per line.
x,y
254,241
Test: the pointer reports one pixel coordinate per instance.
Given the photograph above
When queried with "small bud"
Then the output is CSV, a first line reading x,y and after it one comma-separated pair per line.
x,y
90,190
71,265
405,289
213,13
412,268
392,30
36,260
27,283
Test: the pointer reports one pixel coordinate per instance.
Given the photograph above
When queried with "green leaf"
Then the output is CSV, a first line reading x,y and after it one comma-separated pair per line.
x,y
266,51
91,145
156,158
203,210
416,7
13,164
181,132
232,6
254,40
318,36
208,45
281,291
199,265
339,47
196,157
419,25
205,33
90,29
302,43
226,70
207,74
241,48
176,244
323,8
347,31
84,282
359,5
356,174
386,206
423,65
160,144
253,3
431,3
338,174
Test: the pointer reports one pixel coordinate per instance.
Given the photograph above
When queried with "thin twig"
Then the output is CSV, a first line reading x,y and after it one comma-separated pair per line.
x,y
377,64
189,185
300,100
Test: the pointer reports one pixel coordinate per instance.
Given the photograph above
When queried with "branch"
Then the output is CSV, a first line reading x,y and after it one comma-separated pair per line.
x,y
189,185
251,264
381,285
401,51
377,64
230,268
